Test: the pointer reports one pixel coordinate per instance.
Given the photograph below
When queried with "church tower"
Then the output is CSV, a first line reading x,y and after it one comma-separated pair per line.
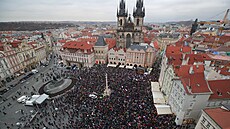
x,y
121,15
130,32
121,22
138,14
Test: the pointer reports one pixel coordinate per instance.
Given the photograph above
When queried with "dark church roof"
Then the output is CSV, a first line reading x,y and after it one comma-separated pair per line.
x,y
139,11
100,41
122,12
139,47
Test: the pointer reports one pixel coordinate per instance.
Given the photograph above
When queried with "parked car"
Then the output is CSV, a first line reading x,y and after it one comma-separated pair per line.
x,y
3,90
34,71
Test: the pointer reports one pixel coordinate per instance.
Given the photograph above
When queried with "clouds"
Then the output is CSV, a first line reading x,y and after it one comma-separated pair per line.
x,y
105,10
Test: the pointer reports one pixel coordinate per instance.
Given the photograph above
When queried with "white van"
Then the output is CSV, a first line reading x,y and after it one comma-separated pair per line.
x,y
22,99
34,71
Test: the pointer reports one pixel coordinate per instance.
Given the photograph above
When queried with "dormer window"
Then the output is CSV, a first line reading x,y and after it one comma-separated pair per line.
x,y
219,93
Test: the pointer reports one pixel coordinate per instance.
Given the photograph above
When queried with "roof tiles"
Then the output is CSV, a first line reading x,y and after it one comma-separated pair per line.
x,y
220,89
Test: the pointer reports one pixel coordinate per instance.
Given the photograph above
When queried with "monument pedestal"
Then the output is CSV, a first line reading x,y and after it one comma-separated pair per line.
x,y
107,92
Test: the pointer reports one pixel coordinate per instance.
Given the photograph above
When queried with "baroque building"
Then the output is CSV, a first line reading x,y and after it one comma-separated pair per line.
x,y
130,32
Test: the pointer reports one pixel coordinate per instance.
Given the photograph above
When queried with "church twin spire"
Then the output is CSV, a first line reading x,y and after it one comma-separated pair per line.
x,y
139,11
122,12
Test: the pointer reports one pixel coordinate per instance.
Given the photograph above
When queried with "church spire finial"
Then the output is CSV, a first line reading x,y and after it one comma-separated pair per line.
x,y
122,10
140,10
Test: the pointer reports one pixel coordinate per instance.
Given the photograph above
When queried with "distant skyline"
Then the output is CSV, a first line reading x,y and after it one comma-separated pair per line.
x,y
105,10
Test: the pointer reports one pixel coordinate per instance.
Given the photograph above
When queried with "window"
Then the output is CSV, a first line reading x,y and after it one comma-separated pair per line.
x,y
138,21
194,96
208,125
120,22
188,112
203,120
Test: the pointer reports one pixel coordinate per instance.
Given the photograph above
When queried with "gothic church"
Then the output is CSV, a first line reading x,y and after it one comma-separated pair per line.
x,y
130,32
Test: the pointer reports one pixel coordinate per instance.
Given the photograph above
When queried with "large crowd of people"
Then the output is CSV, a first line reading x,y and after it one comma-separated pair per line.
x,y
130,105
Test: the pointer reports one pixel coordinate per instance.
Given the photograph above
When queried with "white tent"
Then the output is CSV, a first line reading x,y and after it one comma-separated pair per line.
x,y
155,86
163,109
111,65
158,97
129,67
121,66
32,100
41,98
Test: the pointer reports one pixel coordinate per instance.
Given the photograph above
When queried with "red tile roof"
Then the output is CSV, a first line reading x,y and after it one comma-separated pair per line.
x,y
224,71
172,50
91,40
219,57
220,116
175,59
62,41
194,58
1,46
117,49
32,42
206,57
111,42
194,81
85,33
15,43
221,87
223,39
78,45
183,70
156,45
147,40
175,54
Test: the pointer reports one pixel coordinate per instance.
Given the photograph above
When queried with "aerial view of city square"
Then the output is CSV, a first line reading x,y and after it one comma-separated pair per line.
x,y
115,64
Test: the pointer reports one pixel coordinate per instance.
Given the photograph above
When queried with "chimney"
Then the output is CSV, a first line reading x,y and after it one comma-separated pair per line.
x,y
219,93
185,61
219,71
191,70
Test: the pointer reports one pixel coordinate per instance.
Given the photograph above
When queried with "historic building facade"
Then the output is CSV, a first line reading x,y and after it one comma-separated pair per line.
x,y
78,53
130,32
101,51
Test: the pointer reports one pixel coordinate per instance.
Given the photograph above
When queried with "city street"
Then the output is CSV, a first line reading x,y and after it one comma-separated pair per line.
x,y
12,111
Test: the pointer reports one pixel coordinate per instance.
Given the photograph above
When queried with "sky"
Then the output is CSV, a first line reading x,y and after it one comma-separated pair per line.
x,y
105,10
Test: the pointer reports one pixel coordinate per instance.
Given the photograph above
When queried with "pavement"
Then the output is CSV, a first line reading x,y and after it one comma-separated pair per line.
x,y
11,111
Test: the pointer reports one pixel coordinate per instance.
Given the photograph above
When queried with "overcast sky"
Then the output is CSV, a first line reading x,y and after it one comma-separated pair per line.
x,y
105,10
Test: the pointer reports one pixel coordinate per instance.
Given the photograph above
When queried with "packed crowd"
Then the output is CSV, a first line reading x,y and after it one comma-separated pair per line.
x,y
130,104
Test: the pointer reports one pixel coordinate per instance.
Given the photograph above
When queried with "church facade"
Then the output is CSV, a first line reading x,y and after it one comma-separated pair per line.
x,y
129,31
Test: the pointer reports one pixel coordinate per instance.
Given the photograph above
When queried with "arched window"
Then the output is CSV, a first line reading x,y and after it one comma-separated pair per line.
x,y
138,21
120,22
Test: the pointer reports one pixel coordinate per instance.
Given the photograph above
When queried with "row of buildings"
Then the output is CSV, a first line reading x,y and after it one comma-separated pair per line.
x,y
20,54
103,51
191,81
125,47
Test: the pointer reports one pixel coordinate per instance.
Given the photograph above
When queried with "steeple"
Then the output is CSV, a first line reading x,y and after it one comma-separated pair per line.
x,y
139,11
129,19
122,12
194,27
